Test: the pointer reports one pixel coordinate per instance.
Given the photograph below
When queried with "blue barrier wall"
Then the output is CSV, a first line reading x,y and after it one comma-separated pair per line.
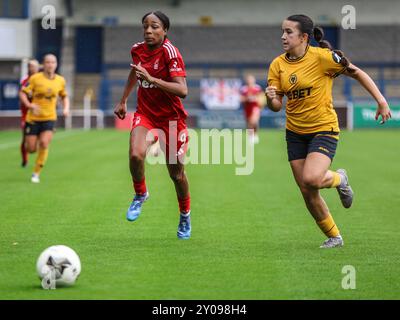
x,y
9,95
88,49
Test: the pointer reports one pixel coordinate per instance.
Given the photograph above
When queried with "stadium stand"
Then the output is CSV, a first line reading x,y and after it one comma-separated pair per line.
x,y
95,46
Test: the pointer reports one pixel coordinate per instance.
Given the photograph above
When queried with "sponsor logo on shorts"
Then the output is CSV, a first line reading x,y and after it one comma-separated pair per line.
x,y
137,120
323,149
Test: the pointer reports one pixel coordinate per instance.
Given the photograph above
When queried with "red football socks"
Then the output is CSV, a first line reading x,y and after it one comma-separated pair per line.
x,y
184,204
24,153
140,187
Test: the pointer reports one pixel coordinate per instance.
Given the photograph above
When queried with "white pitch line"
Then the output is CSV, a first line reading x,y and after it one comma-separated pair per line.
x,y
58,136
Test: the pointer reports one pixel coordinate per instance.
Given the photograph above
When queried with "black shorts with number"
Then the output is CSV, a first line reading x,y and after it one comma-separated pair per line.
x,y
300,145
37,127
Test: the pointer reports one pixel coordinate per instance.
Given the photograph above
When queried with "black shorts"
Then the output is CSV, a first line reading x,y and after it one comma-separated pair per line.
x,y
37,127
300,145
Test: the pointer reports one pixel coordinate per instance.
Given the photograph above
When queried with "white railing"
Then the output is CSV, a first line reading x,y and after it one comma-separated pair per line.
x,y
87,113
87,118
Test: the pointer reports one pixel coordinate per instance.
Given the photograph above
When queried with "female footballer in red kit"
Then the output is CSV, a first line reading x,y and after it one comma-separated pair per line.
x,y
159,71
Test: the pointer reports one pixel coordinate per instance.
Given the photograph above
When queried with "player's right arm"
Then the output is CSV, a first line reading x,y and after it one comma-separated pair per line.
x,y
273,92
24,98
274,101
121,108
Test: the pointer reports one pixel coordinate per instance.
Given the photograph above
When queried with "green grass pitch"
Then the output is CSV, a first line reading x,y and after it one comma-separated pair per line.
x,y
252,237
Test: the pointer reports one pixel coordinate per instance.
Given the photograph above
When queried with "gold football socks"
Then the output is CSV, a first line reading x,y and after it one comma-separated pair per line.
x,y
328,226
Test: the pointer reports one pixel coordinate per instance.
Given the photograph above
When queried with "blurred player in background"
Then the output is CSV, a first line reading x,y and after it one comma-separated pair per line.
x,y
33,67
44,87
250,94
305,75
159,70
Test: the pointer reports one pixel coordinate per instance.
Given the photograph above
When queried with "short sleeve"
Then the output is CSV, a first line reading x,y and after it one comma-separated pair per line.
x,y
274,78
330,63
134,53
176,67
173,60
28,86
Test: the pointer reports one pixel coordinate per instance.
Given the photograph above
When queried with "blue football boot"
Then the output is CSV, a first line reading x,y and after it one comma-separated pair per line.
x,y
136,206
184,227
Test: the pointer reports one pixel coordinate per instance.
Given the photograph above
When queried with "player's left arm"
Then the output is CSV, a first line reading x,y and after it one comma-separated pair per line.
x,y
66,106
177,86
65,99
365,80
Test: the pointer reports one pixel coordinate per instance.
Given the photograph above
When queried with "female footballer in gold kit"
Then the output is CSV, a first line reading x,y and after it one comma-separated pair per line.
x,y
305,75
44,88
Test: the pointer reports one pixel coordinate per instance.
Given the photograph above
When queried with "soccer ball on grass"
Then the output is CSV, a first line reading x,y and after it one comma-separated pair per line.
x,y
58,266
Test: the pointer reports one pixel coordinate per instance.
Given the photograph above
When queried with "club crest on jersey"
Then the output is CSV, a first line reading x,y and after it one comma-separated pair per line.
x,y
155,67
292,78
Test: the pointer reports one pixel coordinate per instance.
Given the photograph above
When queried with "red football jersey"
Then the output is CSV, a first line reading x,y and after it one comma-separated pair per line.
x,y
250,95
22,107
163,63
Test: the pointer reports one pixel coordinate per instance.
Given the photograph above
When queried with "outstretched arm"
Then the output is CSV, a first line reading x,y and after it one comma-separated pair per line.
x,y
365,80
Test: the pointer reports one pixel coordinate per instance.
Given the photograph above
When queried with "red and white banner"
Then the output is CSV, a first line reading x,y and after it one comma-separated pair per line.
x,y
220,94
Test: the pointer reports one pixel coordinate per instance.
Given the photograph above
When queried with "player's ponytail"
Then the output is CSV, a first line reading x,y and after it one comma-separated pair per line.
x,y
319,34
319,37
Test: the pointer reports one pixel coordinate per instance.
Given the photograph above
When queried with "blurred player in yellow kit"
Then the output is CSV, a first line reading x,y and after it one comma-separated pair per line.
x,y
305,75
44,88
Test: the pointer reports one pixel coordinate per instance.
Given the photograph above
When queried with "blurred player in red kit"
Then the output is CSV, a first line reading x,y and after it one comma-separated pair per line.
x,y
33,67
159,71
250,95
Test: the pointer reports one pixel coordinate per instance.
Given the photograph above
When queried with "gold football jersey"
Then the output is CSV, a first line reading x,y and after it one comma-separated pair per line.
x,y
44,92
307,84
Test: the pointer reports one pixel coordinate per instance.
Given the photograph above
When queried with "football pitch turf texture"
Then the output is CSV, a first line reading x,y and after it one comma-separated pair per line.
x,y
252,237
